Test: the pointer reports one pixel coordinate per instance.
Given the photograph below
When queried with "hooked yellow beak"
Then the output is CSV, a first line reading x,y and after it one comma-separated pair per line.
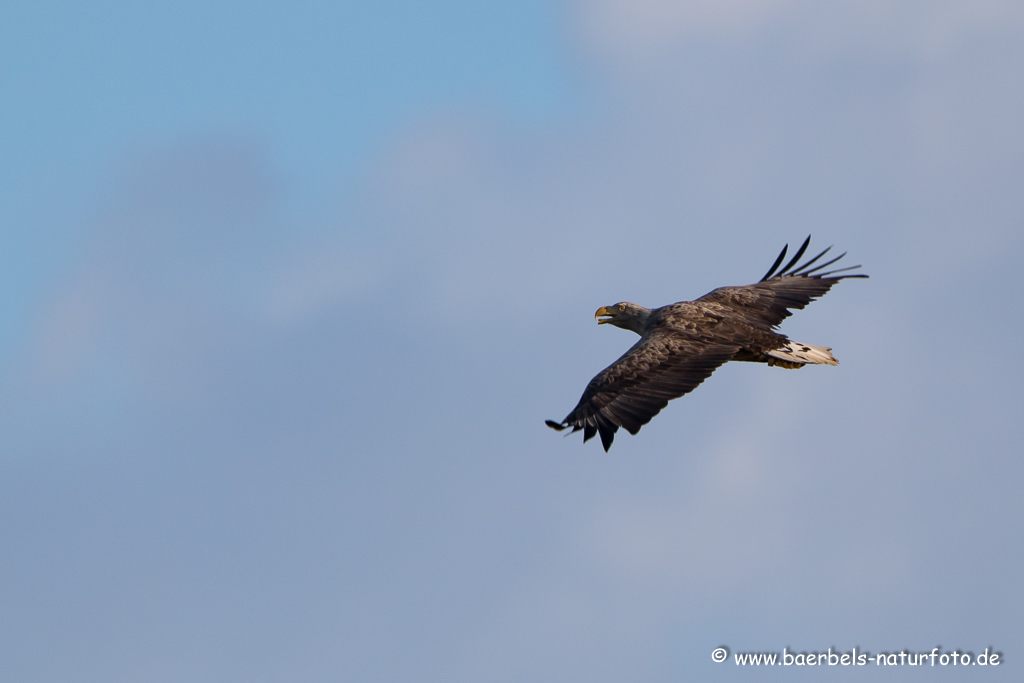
x,y
603,311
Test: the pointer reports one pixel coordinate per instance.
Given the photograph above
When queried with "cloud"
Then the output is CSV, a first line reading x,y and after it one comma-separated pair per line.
x,y
770,495
649,28
639,33
314,279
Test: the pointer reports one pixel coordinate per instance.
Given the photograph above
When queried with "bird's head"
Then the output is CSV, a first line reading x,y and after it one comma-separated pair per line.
x,y
625,315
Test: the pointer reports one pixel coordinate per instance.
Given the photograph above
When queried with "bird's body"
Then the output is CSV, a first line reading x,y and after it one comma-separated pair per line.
x,y
683,343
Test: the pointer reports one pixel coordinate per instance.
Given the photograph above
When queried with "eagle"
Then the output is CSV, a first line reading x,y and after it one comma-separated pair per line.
x,y
683,343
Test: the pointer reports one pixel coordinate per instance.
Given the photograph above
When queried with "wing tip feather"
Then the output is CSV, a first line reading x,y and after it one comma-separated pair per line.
x,y
805,270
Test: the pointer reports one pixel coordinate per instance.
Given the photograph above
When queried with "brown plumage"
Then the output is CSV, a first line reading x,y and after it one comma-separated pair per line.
x,y
682,344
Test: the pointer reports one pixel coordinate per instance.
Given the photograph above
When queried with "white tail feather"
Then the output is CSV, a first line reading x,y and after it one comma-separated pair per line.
x,y
795,352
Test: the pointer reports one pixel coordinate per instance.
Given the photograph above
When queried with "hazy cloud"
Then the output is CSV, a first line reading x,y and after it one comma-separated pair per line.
x,y
644,32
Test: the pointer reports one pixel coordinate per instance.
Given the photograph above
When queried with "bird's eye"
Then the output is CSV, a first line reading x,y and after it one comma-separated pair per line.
x,y
622,308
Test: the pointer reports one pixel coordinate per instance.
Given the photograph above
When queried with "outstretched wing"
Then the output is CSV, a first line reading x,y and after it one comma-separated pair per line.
x,y
769,302
633,389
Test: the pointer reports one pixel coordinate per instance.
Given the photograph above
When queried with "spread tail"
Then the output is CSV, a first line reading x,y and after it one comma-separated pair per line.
x,y
802,354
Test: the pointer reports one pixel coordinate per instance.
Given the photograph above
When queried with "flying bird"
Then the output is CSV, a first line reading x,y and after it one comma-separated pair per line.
x,y
683,343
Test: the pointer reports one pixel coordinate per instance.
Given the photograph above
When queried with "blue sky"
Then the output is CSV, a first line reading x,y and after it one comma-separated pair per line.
x,y
317,88
291,289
